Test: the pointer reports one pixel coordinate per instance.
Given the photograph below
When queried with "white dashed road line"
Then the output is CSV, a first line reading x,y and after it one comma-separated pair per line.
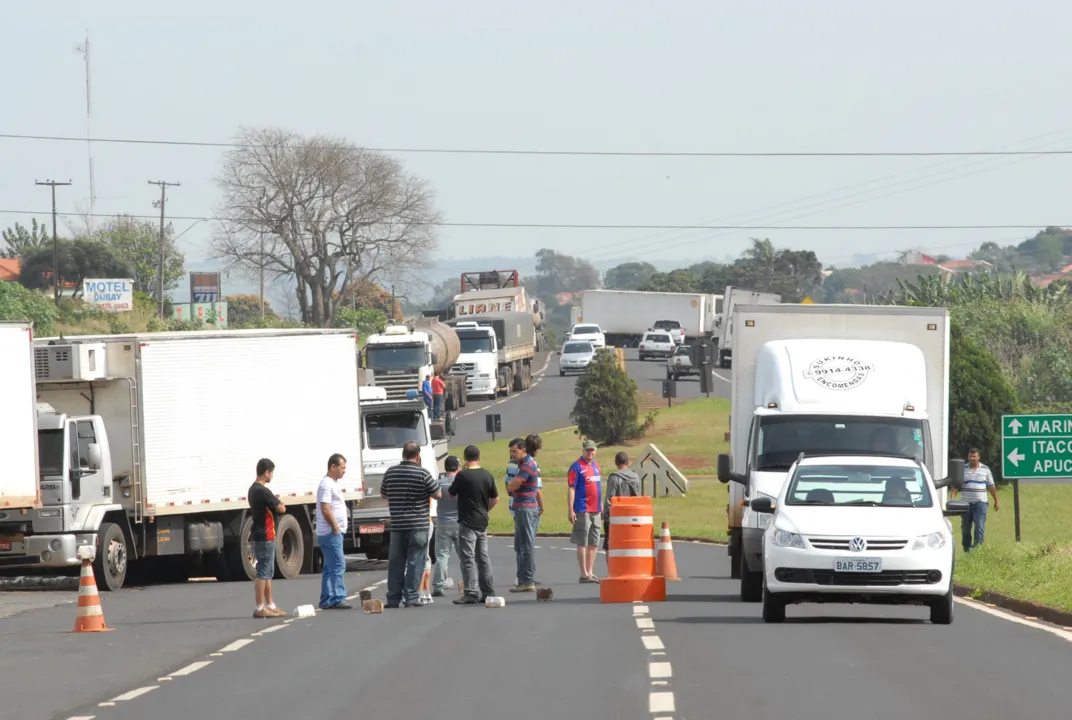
x,y
536,377
652,642
660,700
236,645
191,668
130,695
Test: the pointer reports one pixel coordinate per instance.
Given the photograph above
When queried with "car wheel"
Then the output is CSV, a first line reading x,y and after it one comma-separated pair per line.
x,y
773,607
942,609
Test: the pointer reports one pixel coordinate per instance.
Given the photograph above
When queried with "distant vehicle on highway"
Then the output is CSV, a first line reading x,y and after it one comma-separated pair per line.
x,y
680,364
860,529
656,343
673,328
588,331
575,356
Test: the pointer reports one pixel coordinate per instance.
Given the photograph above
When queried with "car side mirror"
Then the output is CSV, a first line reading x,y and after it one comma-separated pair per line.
x,y
956,507
725,474
955,478
762,505
93,453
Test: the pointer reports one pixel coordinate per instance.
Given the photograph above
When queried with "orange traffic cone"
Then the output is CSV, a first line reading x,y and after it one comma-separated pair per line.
x,y
89,617
664,555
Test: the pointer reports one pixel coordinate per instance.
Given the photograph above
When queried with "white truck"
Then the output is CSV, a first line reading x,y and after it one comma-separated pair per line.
x,y
387,425
840,379
20,491
497,351
723,326
402,356
625,315
148,445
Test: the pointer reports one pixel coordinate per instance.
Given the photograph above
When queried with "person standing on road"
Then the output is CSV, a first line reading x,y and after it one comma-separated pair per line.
x,y
623,482
528,507
446,532
475,489
978,480
511,473
438,394
408,488
332,520
426,392
264,507
585,485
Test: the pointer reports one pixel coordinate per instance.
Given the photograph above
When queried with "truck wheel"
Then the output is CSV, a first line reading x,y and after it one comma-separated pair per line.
x,y
110,564
519,381
751,583
289,548
378,552
238,555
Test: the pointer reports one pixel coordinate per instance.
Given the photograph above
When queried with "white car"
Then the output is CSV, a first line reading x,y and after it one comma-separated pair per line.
x,y
591,333
575,356
656,343
860,529
680,364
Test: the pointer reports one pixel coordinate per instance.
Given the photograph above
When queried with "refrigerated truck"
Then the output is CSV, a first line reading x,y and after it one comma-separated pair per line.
x,y
827,378
149,443
20,491
625,315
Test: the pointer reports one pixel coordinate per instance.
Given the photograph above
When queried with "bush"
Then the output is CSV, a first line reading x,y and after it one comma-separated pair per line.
x,y
606,407
979,395
18,303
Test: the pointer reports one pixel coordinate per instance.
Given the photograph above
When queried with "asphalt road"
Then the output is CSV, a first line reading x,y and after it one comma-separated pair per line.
x,y
547,405
701,654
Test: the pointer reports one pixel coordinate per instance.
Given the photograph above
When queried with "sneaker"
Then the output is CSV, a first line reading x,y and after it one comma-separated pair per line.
x,y
263,613
340,606
276,611
465,600
438,593
523,588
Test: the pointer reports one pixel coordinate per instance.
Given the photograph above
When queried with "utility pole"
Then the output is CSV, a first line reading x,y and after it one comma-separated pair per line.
x,y
163,248
55,242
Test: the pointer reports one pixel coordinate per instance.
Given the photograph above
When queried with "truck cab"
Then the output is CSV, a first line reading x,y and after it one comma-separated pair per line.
x,y
398,360
479,358
387,425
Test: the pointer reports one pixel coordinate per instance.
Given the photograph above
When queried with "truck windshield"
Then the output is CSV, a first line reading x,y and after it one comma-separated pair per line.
x,y
395,357
474,343
50,452
394,429
782,438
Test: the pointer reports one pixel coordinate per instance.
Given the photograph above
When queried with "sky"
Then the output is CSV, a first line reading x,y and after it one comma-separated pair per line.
x,y
602,75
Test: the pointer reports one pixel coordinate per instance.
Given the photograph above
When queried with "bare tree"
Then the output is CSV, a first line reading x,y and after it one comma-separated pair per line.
x,y
323,212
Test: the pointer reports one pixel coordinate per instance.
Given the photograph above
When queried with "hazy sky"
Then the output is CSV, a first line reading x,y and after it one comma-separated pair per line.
x,y
682,75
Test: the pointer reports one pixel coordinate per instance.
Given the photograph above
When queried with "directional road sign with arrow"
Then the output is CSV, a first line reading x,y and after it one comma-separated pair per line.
x,y
1036,446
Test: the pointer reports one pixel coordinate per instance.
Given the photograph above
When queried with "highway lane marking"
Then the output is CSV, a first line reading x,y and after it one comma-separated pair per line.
x,y
267,630
190,669
640,610
82,717
537,376
1058,632
659,670
645,623
130,695
660,702
652,642
236,645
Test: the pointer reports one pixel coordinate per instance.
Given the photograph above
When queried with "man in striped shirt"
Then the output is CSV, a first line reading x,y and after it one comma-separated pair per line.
x,y
528,507
408,488
978,480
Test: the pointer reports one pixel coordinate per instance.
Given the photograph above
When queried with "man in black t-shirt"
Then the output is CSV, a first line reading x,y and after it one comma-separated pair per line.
x,y
264,507
477,495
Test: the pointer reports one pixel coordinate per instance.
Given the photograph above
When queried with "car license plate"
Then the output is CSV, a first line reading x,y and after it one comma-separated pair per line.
x,y
858,565
5,545
370,529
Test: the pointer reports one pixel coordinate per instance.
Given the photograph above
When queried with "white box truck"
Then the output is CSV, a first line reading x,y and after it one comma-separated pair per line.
x,y
19,488
625,315
844,379
723,326
149,443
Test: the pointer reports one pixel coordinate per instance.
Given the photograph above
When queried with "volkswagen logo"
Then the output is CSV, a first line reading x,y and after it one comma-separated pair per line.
x,y
857,544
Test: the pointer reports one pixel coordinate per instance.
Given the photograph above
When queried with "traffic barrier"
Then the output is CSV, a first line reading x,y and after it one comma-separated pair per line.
x,y
665,564
89,616
631,554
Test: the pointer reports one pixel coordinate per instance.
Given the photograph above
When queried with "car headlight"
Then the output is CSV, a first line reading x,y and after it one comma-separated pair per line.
x,y
786,539
933,541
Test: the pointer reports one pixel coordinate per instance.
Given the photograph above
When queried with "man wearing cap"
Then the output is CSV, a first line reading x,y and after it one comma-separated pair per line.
x,y
585,499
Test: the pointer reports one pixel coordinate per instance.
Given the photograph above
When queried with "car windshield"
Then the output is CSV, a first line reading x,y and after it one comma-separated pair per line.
x,y
586,330
783,437
658,338
577,347
859,485
385,357
394,429
667,324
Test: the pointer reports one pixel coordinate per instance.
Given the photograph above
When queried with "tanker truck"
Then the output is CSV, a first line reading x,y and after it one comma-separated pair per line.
x,y
402,356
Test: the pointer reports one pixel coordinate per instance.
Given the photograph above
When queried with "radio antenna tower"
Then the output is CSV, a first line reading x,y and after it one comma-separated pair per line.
x,y
84,51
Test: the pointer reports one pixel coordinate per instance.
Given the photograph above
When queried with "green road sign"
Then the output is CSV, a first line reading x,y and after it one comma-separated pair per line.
x,y
1036,446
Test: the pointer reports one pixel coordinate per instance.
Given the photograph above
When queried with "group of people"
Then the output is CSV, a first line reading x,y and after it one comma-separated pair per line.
x,y
465,494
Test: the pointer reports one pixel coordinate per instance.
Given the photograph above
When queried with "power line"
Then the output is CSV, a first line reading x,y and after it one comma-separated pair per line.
x,y
577,153
607,226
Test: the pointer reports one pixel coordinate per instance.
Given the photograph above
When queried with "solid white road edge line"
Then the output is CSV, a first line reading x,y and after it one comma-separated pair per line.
x,y
1063,634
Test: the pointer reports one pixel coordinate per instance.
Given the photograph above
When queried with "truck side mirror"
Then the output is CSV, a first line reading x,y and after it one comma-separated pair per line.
x,y
93,453
435,359
955,478
725,474
438,430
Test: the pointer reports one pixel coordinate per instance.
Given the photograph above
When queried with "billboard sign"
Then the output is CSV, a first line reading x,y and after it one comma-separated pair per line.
x,y
205,287
109,295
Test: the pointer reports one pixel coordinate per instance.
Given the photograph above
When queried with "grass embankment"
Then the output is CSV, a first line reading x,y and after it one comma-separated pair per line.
x,y
690,435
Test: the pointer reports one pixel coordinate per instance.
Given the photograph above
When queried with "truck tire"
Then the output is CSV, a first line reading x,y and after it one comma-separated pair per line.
x,y
751,583
289,548
378,552
110,564
519,381
238,555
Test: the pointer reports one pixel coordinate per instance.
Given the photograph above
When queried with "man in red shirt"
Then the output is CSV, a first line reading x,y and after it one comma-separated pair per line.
x,y
438,388
585,509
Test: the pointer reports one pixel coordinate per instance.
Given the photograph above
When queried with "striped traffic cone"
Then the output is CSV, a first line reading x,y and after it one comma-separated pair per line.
x,y
89,616
664,555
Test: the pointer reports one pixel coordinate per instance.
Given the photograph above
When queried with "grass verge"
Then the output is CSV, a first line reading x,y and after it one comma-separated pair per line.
x,y
1039,569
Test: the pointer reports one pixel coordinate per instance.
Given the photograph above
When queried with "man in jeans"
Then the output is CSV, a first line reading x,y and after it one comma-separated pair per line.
x,y
477,495
528,507
446,532
331,522
264,507
978,480
585,508
408,488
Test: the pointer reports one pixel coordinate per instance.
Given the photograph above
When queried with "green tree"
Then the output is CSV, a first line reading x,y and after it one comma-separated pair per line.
x,y
78,259
18,303
979,395
136,243
244,311
606,406
676,281
628,276
19,241
367,321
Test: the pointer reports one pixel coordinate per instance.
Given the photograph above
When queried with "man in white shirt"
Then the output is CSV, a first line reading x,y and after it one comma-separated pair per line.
x,y
331,523
978,481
